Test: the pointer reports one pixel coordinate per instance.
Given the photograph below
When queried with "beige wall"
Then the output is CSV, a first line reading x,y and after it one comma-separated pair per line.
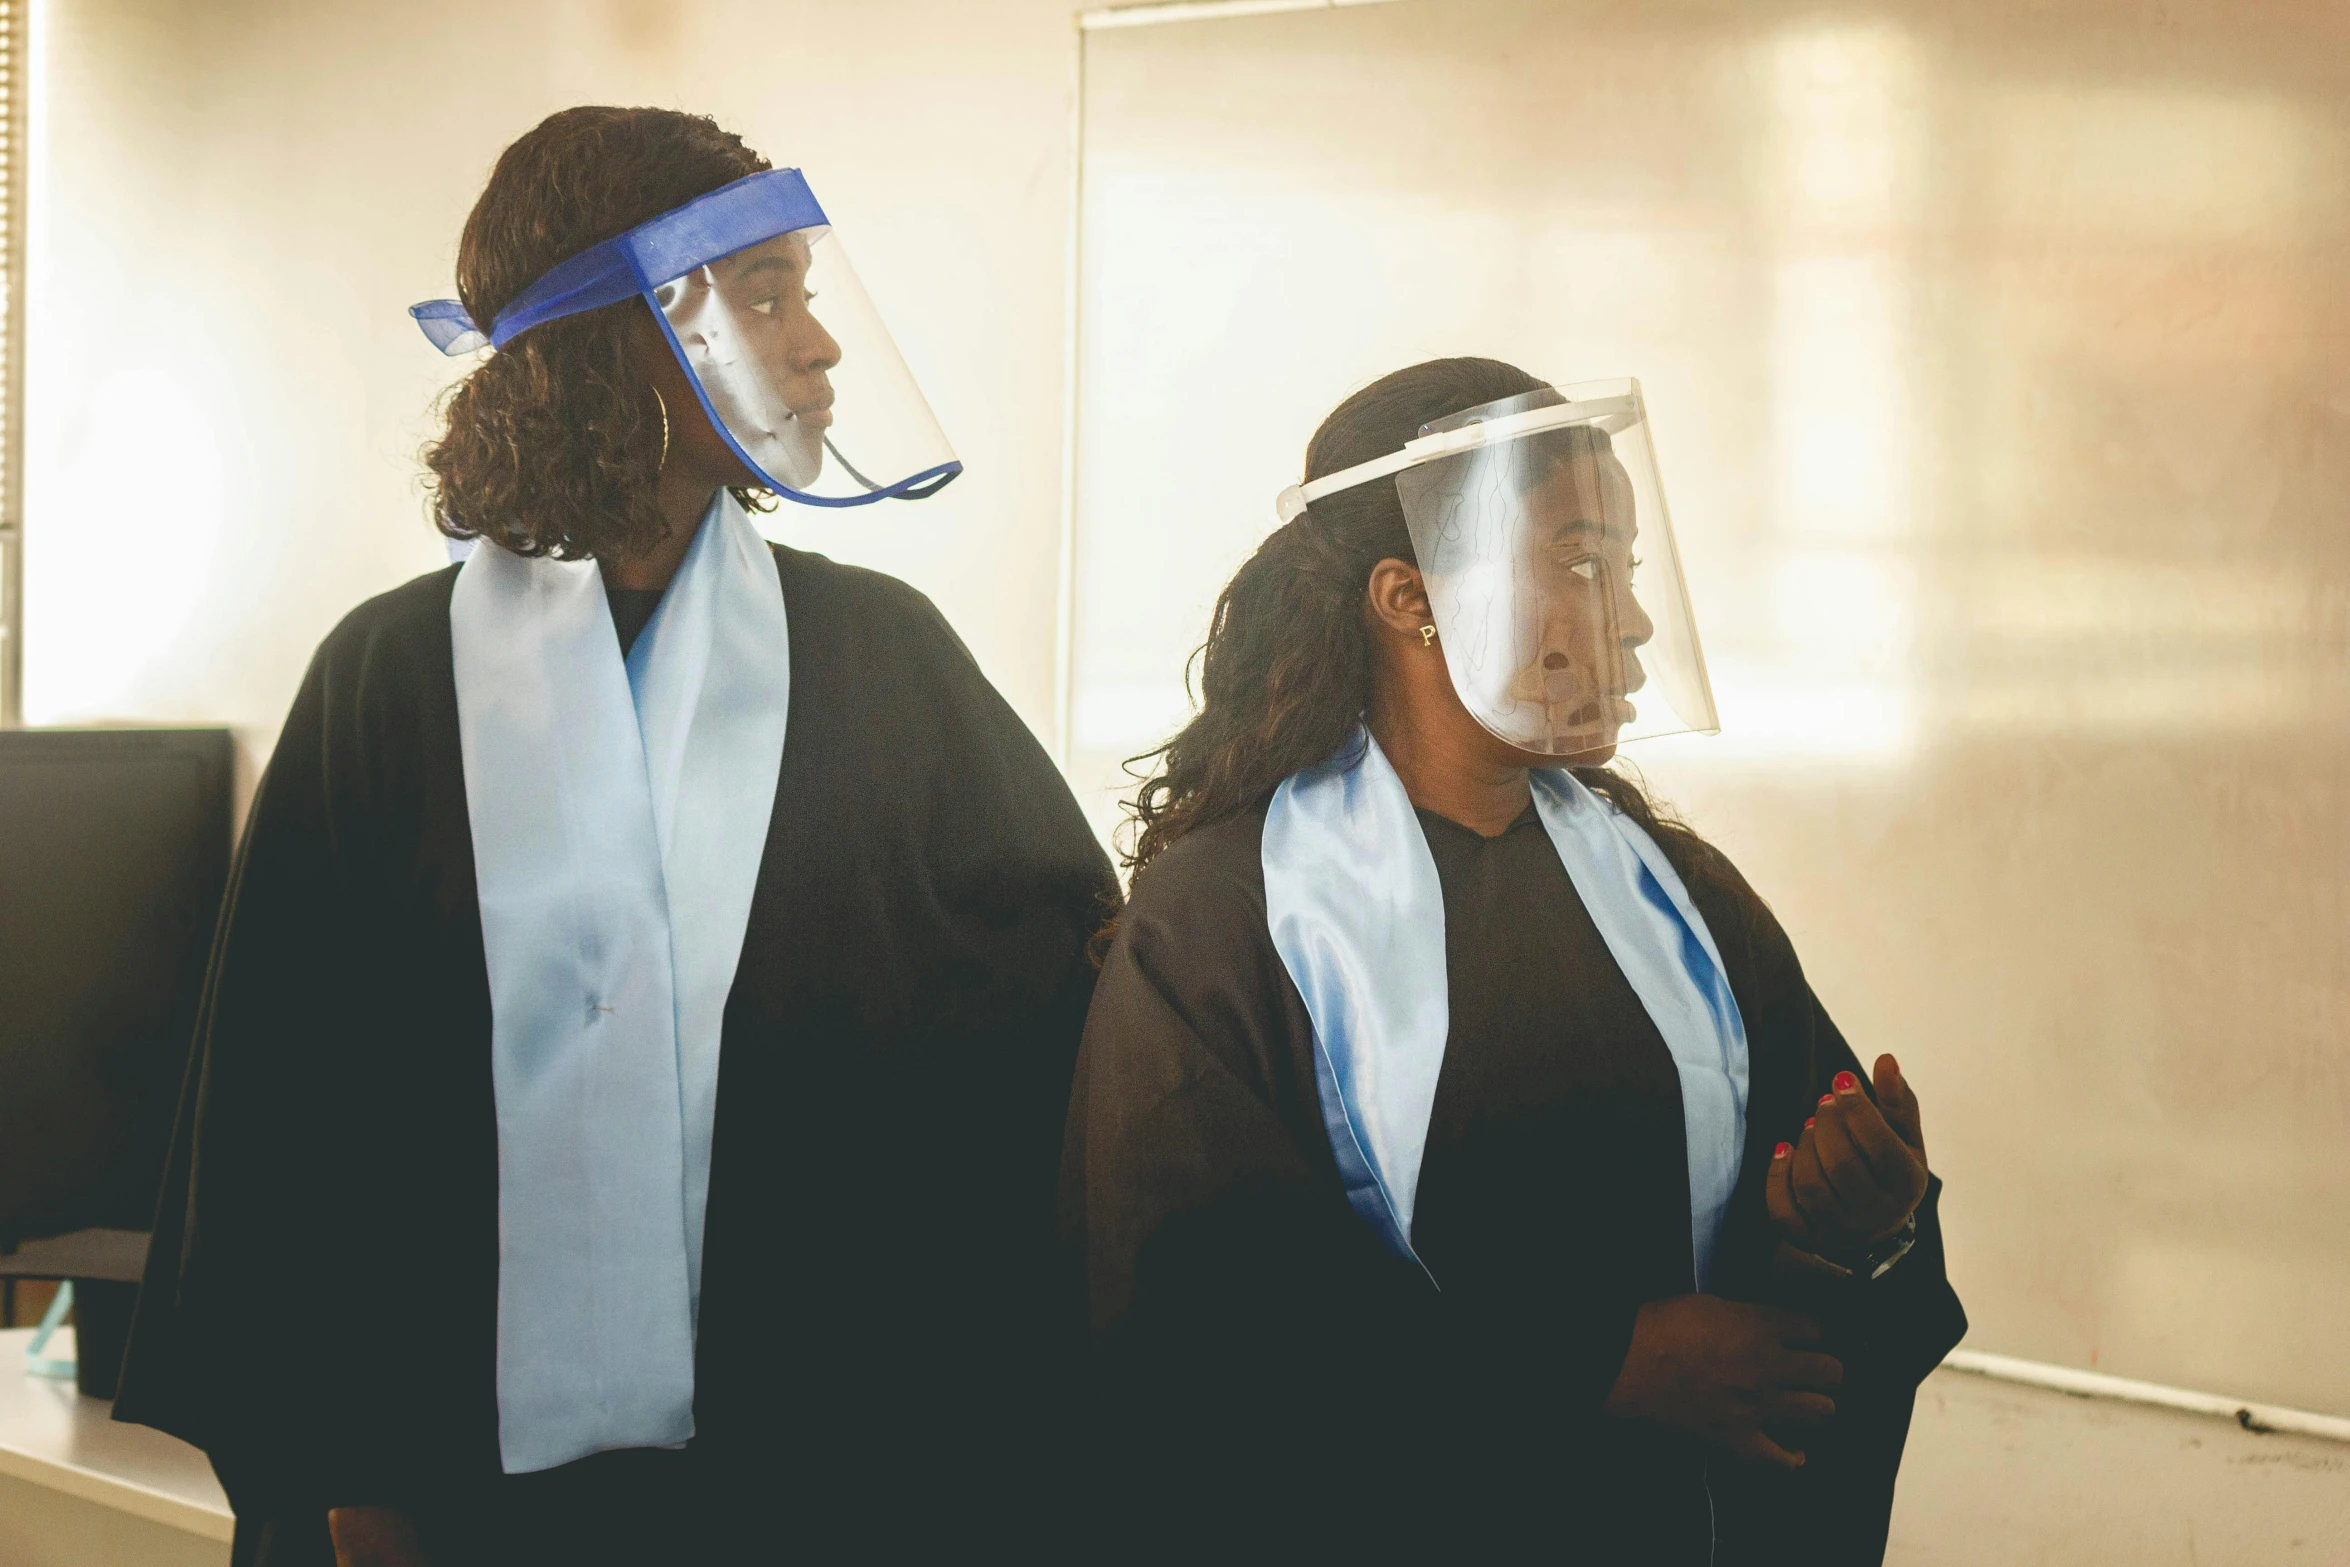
x,y
238,201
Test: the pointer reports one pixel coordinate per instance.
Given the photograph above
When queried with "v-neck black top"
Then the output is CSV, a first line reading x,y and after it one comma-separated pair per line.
x,y
632,611
1554,1191
1556,1136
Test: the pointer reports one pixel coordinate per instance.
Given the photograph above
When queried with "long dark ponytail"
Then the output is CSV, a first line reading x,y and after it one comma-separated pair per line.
x,y
1285,675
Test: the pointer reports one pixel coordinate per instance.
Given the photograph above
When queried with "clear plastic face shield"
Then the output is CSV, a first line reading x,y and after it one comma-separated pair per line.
x,y
778,338
1551,571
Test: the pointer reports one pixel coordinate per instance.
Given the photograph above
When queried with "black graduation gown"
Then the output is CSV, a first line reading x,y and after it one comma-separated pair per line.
x,y
1271,1380
880,1304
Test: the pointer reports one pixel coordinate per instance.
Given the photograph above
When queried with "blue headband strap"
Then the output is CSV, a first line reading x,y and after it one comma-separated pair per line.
x,y
754,208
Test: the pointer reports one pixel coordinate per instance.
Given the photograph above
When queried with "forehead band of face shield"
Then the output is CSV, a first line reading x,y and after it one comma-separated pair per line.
x,y
775,333
1553,582
1621,412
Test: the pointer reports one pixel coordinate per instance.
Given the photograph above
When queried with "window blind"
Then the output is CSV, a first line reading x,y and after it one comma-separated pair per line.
x,y
14,91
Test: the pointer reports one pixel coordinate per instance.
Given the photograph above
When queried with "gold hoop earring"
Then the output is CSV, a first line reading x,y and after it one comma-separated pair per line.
x,y
662,404
1427,636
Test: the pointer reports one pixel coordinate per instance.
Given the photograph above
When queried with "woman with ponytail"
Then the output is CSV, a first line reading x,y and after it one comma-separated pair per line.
x,y
1459,1160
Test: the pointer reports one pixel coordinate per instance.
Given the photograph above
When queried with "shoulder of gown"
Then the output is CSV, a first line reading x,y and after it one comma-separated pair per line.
x,y
1209,883
421,604
856,587
874,608
401,623
913,748
1193,957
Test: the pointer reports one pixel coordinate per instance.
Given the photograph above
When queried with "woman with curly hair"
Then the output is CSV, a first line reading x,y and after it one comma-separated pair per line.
x,y
1462,1167
624,1109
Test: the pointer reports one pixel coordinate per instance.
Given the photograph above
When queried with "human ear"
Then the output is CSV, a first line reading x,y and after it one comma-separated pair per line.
x,y
1398,597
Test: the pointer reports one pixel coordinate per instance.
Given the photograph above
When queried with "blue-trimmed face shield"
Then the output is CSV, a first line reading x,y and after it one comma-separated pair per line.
x,y
778,337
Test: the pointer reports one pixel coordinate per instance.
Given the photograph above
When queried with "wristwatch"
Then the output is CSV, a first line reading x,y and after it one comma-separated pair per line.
x,y
1878,1257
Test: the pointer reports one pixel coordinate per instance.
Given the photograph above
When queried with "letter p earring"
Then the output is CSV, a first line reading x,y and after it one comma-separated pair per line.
x,y
1427,636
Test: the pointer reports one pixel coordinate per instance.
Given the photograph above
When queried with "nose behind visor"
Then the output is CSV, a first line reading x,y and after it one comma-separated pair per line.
x,y
1551,570
778,337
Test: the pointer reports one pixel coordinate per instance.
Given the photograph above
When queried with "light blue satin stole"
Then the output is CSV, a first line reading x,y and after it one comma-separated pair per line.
x,y
619,813
1357,914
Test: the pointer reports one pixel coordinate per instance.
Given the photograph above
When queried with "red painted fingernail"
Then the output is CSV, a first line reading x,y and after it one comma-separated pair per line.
x,y
1782,1151
1827,1099
1807,1123
1846,1082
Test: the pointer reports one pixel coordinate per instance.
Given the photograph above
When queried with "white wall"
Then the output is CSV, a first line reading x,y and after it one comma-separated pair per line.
x,y
237,201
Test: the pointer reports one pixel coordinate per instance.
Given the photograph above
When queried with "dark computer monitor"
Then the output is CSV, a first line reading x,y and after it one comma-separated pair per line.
x,y
114,850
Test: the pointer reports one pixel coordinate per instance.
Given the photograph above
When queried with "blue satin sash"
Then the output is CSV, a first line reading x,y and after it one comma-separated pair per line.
x,y
619,813
1356,912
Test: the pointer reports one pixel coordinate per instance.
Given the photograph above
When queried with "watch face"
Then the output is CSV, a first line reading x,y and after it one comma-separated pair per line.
x,y
1881,1256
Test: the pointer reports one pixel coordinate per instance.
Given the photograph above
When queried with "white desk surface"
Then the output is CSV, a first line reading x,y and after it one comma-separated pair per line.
x,y
52,1436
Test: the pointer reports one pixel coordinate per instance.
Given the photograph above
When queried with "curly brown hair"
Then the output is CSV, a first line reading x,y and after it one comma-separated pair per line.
x,y
1285,675
553,445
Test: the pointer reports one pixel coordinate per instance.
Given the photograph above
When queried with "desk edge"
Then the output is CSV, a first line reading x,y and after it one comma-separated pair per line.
x,y
126,1496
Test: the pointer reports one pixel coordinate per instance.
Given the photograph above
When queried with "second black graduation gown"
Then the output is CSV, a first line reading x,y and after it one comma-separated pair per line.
x,y
1273,1380
878,1318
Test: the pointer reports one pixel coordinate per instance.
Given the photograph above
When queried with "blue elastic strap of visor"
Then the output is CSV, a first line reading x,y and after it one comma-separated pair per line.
x,y
731,218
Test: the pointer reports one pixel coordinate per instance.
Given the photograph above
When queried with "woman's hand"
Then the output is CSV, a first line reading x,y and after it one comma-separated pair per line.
x,y
373,1537
1734,1375
1860,1170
